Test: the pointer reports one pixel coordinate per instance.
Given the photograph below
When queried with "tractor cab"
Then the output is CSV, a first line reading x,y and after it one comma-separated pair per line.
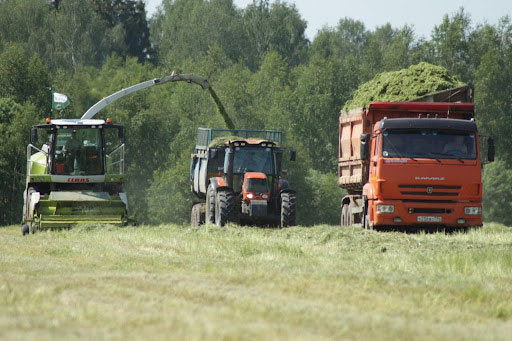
x,y
238,174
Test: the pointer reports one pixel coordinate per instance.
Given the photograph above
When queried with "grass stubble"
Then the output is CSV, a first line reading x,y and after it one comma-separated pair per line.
x,y
321,282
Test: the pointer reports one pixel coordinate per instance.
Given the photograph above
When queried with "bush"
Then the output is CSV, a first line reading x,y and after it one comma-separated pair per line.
x,y
497,180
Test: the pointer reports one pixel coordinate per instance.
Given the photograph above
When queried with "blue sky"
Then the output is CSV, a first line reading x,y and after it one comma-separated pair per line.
x,y
422,15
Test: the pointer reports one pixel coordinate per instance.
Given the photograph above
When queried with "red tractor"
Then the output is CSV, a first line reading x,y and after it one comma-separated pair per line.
x,y
238,173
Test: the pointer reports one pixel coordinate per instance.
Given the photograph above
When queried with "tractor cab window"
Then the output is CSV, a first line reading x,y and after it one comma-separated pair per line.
x,y
77,151
253,159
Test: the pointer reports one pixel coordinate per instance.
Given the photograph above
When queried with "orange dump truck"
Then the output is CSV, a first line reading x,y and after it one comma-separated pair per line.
x,y
412,164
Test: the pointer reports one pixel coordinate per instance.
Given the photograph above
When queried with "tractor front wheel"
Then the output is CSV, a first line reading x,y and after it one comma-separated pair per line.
x,y
288,209
224,208
210,205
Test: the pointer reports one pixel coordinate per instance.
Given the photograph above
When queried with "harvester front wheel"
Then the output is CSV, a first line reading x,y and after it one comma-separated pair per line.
x,y
224,207
25,229
210,205
288,209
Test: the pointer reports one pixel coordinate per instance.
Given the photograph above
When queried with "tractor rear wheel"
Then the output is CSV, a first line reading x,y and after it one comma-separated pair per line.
x,y
224,208
210,205
288,209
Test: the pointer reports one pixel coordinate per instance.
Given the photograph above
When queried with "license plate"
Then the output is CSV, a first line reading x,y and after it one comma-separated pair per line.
x,y
429,219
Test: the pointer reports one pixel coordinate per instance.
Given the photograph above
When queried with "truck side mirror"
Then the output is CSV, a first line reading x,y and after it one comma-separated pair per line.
x,y
293,155
33,136
491,151
365,146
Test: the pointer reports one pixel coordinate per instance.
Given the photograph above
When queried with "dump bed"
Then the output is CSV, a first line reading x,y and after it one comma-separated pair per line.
x,y
352,170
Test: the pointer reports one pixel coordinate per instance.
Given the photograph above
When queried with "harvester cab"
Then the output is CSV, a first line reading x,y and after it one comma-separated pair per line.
x,y
239,175
75,173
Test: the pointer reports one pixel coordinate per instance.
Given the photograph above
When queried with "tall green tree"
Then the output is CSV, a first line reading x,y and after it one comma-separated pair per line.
x,y
128,18
451,44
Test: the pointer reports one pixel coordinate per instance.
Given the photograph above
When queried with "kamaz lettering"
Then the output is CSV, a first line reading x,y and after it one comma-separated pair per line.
x,y
430,178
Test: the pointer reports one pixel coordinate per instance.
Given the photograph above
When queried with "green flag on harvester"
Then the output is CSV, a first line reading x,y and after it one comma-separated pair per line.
x,y
59,101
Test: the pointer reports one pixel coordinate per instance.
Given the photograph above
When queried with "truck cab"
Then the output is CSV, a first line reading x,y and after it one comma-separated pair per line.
x,y
412,165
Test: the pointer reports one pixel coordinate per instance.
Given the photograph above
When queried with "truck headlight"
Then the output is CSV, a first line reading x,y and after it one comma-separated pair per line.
x,y
385,208
250,195
473,210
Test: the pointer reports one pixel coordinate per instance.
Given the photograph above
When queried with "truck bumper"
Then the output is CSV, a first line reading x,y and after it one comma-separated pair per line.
x,y
449,214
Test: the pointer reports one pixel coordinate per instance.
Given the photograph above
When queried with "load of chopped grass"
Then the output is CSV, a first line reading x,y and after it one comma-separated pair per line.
x,y
403,85
221,140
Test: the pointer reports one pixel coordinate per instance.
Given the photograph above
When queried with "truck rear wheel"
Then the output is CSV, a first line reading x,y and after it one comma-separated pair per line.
x,y
344,215
224,208
288,209
210,205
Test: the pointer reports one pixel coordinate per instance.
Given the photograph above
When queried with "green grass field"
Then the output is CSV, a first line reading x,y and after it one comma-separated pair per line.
x,y
324,282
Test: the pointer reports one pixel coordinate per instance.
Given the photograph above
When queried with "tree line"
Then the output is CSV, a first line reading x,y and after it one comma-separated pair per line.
x,y
266,72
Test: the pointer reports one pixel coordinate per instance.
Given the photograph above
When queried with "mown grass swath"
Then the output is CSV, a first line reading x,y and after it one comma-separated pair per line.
x,y
246,283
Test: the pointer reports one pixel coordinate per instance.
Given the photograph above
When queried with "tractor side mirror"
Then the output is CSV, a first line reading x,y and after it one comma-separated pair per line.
x,y
365,146
33,136
293,155
212,154
491,151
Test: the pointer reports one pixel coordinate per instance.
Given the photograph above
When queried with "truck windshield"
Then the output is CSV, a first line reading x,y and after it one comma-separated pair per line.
x,y
253,159
430,144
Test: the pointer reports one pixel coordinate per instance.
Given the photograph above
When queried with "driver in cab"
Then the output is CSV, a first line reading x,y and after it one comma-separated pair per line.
x,y
72,151
456,146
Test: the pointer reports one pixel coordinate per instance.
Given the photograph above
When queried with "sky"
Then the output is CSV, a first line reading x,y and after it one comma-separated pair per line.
x,y
422,15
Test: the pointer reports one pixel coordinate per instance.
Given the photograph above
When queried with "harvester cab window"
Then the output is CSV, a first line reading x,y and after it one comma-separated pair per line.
x,y
114,150
77,151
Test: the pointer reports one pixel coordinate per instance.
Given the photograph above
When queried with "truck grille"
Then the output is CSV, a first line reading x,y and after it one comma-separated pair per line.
x,y
430,210
430,190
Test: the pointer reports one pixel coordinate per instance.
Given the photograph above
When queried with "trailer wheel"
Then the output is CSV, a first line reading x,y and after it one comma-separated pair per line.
x,y
195,216
288,209
210,205
224,208
25,229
